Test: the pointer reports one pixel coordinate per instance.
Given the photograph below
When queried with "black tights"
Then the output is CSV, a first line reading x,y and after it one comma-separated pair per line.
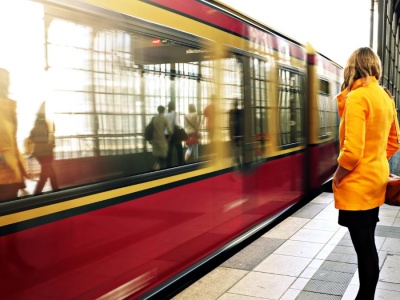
x,y
368,261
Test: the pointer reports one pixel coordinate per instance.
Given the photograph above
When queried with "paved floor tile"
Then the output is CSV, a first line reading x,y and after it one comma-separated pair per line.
x,y
286,228
299,248
283,264
213,285
253,254
310,235
390,271
230,296
309,211
290,294
258,284
391,245
325,225
308,273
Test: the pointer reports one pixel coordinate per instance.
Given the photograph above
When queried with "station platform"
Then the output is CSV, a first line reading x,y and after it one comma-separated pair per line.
x,y
308,256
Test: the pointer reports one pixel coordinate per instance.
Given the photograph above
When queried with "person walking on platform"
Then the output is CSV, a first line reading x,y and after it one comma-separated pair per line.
x,y
12,165
209,119
42,136
159,140
192,129
173,119
368,138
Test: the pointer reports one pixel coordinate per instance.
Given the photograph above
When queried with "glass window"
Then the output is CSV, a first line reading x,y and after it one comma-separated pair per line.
x,y
324,109
291,108
102,84
258,79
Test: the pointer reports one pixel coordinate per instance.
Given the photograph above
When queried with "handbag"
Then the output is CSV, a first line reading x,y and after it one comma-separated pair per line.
x,y
193,139
392,196
179,135
148,131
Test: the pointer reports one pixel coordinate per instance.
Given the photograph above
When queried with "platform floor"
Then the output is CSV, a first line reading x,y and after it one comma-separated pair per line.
x,y
308,256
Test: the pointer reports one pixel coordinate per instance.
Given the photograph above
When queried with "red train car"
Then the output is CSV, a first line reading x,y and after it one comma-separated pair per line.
x,y
110,223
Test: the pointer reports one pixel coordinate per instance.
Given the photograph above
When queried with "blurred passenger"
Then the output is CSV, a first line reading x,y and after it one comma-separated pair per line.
x,y
12,166
42,136
236,120
236,132
209,119
192,129
173,118
159,140
368,138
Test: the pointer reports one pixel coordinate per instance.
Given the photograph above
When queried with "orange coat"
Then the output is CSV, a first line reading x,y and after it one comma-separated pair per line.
x,y
368,139
12,167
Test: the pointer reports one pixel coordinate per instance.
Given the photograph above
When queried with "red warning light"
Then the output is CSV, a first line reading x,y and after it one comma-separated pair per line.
x,y
156,42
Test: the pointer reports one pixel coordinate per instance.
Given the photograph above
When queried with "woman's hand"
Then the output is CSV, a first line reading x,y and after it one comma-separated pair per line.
x,y
339,175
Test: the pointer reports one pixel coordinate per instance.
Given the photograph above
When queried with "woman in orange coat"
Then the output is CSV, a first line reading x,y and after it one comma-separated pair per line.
x,y
368,139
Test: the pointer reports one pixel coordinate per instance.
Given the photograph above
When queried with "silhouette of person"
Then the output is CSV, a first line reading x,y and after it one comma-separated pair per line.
x,y
42,136
236,132
173,118
192,130
159,140
209,119
12,166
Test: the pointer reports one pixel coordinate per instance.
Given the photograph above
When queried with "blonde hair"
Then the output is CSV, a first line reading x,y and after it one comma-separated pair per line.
x,y
361,64
192,108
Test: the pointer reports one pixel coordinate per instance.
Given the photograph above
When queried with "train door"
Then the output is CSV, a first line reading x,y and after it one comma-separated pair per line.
x,y
252,114
244,106
256,109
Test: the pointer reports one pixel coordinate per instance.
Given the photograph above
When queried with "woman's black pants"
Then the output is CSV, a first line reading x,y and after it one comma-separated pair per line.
x,y
368,261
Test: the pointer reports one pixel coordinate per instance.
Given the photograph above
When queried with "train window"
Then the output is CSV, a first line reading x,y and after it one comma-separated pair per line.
x,y
100,85
324,109
232,91
258,80
291,108
125,78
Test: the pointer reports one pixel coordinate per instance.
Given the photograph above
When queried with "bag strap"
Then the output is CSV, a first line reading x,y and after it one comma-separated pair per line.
x,y
191,124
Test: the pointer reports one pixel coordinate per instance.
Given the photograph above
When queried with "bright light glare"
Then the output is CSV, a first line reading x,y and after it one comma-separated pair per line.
x,y
21,53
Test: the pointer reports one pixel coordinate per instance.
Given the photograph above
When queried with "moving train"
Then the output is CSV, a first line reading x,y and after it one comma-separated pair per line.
x,y
116,227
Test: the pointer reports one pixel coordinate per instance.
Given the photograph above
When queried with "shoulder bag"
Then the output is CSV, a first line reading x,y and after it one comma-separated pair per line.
x,y
392,196
148,131
179,135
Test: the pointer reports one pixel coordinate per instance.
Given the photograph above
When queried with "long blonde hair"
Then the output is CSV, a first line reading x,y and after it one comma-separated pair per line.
x,y
361,64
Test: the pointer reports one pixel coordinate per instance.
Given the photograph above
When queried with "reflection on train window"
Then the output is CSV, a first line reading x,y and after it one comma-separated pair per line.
x,y
258,78
232,90
324,109
117,87
102,84
291,108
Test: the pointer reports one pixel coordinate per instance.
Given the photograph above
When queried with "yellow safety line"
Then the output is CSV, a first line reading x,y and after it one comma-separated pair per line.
x,y
96,198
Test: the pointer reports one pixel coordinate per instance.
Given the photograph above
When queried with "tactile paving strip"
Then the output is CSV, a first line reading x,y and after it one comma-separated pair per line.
x,y
316,296
341,257
332,276
324,287
339,267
